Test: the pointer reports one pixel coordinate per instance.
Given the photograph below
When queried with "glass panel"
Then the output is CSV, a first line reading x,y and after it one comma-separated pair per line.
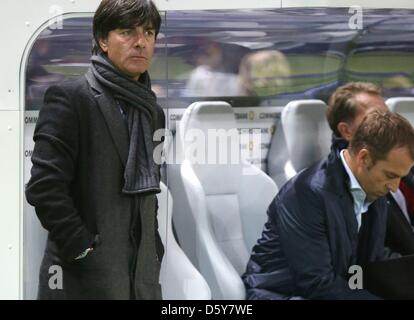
x,y
57,55
385,53
272,54
63,54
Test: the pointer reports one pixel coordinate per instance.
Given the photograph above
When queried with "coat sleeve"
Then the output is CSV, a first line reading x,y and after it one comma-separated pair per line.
x,y
54,163
304,240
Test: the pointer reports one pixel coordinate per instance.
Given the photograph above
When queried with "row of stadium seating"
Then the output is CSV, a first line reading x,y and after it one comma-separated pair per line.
x,y
219,209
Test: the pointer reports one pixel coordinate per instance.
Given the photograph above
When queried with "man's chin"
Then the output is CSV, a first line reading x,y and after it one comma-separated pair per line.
x,y
374,197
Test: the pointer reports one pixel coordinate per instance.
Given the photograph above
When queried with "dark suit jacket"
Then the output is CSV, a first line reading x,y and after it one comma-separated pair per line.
x,y
311,238
81,147
400,235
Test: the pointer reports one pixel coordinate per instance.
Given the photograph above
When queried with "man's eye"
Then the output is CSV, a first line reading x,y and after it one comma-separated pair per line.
x,y
149,33
126,32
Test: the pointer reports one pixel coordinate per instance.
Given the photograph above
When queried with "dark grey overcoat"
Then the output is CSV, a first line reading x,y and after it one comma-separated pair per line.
x,y
81,148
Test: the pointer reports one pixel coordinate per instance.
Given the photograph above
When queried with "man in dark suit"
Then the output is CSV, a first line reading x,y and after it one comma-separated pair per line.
x,y
348,105
94,178
332,216
400,230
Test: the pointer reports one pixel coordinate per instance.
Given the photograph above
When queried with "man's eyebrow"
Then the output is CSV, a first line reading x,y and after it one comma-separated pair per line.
x,y
390,173
143,25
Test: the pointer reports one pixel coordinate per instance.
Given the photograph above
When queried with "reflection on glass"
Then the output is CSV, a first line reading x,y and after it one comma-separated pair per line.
x,y
204,60
264,73
216,71
63,54
317,43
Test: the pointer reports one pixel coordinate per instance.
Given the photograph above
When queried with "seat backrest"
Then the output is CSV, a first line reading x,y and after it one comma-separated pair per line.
x,y
307,133
278,155
223,236
220,180
403,106
257,191
179,279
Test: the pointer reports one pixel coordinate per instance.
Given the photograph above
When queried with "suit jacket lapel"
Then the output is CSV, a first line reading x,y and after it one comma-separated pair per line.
x,y
343,207
375,219
336,183
113,118
350,218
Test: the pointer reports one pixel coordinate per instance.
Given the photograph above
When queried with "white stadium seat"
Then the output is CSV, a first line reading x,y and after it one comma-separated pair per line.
x,y
225,207
307,134
403,106
179,279
278,155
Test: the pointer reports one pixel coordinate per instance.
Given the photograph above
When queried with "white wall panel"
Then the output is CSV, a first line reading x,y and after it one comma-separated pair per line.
x,y
10,230
348,3
216,4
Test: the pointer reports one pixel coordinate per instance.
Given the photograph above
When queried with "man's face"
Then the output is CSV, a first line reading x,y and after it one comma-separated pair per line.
x,y
130,50
385,175
367,103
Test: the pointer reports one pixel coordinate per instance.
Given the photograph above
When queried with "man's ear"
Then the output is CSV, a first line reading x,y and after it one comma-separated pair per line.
x,y
103,43
363,159
345,130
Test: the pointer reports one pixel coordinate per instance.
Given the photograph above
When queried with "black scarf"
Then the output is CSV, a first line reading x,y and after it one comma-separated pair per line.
x,y
143,116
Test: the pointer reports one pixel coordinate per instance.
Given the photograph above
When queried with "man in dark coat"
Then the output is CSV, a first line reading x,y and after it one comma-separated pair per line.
x,y
94,178
332,216
348,105
400,230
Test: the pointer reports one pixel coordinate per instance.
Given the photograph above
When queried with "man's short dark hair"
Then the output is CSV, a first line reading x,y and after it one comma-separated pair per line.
x,y
380,132
124,14
343,105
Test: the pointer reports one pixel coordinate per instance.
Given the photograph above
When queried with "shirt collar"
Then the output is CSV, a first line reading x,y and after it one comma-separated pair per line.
x,y
353,182
357,192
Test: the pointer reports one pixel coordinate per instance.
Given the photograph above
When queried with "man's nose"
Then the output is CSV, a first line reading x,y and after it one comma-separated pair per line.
x,y
140,40
393,186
